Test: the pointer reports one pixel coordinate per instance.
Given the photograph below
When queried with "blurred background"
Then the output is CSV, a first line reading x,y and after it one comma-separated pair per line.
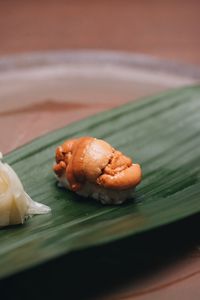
x,y
167,29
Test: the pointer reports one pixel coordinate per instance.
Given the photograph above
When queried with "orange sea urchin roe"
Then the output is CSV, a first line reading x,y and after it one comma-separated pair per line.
x,y
94,160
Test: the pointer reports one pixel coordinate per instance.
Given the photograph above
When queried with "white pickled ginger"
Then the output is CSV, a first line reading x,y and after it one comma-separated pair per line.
x,y
15,204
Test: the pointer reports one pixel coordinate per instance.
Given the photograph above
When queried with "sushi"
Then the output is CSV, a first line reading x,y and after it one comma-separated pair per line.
x,y
93,168
15,204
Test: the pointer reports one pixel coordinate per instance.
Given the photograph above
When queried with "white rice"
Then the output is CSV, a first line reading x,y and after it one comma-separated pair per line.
x,y
105,196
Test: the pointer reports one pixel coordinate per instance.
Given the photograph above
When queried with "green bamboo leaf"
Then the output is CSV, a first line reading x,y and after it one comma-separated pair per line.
x,y
162,133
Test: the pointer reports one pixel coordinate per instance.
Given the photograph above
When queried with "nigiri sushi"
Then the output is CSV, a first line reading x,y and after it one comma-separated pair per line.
x,y
93,168
15,204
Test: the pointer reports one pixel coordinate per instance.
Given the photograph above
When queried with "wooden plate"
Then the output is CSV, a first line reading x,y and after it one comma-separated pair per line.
x,y
40,92
43,91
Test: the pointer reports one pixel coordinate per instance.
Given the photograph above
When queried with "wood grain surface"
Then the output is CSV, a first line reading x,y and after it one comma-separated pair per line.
x,y
45,91
169,29
163,264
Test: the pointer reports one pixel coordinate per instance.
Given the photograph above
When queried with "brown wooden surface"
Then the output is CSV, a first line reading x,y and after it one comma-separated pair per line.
x,y
40,93
161,265
169,29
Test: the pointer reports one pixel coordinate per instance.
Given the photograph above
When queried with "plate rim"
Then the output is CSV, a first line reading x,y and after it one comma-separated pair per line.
x,y
121,58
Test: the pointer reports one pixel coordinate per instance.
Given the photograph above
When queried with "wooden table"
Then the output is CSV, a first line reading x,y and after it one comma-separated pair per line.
x,y
168,29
